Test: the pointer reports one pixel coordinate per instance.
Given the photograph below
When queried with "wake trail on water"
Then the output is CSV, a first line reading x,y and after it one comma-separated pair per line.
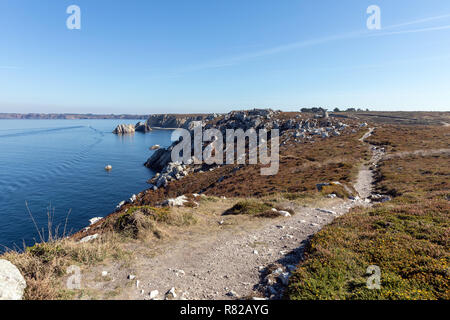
x,y
38,131
63,168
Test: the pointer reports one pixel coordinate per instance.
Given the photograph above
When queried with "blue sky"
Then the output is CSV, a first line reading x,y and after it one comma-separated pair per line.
x,y
139,56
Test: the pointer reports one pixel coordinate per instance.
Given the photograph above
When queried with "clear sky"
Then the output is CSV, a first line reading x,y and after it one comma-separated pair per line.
x,y
164,56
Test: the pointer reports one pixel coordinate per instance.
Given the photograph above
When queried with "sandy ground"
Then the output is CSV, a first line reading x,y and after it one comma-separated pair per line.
x,y
230,263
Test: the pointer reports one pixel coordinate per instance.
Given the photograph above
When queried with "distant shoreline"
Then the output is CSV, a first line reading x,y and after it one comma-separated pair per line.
x,y
70,116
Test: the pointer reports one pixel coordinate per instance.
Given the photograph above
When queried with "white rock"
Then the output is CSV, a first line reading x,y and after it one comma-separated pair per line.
x,y
154,294
104,273
284,213
89,238
177,202
171,293
120,204
255,252
12,283
131,277
95,220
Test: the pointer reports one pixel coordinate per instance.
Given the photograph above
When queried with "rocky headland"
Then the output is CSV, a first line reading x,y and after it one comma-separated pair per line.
x,y
212,231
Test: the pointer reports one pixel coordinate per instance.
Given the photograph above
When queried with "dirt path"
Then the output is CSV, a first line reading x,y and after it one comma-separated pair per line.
x,y
231,263
363,183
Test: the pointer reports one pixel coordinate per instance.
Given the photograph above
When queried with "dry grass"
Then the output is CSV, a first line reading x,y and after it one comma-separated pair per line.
x,y
340,190
142,222
44,265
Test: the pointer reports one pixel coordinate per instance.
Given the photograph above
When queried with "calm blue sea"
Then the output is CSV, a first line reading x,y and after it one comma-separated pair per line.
x,y
60,164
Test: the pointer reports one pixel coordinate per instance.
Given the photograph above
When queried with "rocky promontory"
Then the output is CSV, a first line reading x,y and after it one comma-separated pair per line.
x,y
130,128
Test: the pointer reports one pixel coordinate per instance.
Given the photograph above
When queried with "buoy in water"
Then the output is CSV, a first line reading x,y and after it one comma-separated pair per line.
x,y
155,147
108,168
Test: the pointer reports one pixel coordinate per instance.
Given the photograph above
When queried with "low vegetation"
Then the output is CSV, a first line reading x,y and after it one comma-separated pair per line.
x,y
338,189
249,207
401,138
44,265
407,238
142,221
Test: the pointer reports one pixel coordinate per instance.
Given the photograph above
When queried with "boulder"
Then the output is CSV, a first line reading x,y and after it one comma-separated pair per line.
x,y
154,294
95,220
89,238
132,199
142,127
159,159
120,205
284,213
177,202
155,147
124,129
161,182
12,283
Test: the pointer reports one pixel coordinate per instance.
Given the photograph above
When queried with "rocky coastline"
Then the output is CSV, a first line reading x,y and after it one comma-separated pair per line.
x,y
298,129
294,129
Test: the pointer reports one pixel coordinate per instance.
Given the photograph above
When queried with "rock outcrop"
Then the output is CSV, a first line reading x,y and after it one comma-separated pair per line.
x,y
124,129
297,129
159,159
176,121
12,283
129,128
142,127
